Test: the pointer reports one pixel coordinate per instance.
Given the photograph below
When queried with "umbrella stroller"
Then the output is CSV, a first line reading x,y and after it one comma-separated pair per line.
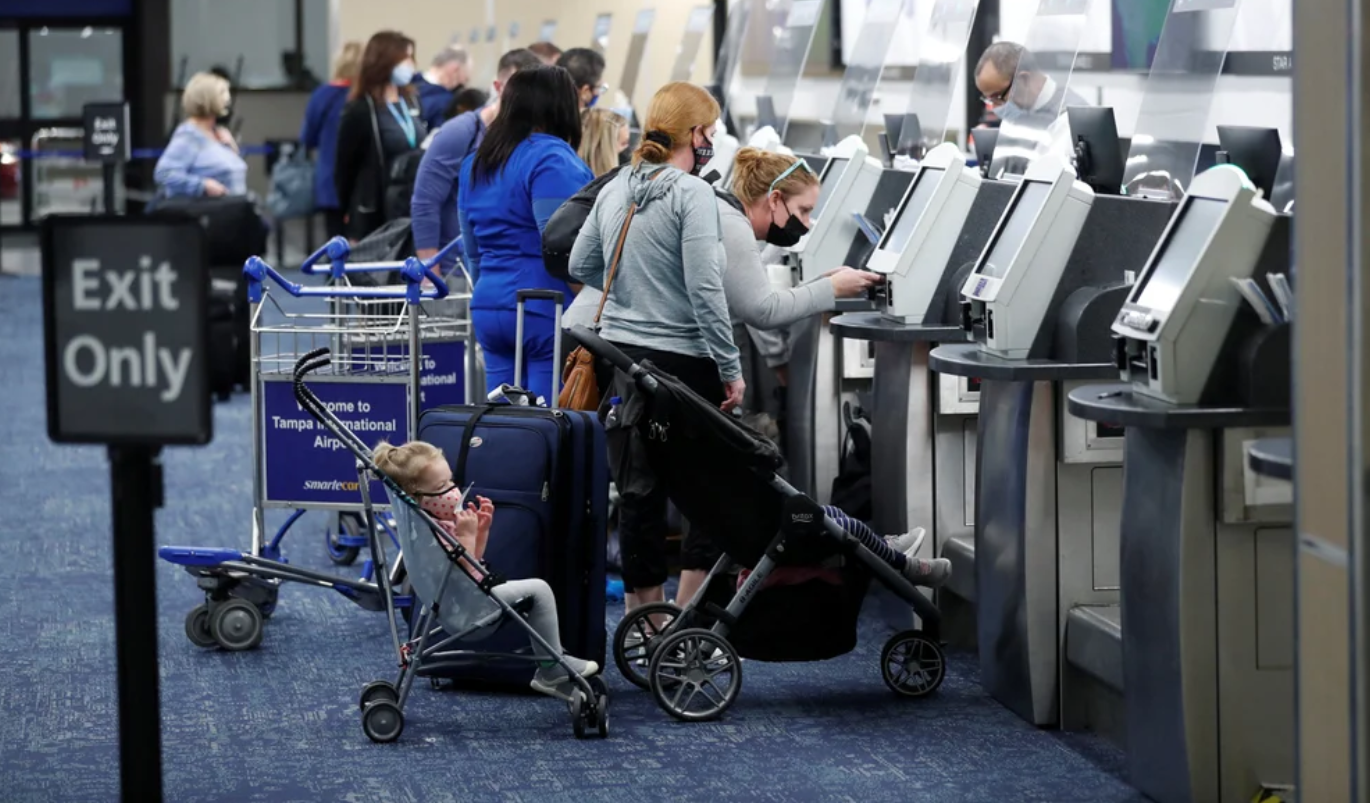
x,y
451,591
725,477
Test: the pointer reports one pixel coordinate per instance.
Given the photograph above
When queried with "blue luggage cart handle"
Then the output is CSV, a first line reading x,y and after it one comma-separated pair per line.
x,y
414,271
337,250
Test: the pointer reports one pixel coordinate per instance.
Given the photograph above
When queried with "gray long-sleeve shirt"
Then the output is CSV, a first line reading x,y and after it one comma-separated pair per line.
x,y
668,291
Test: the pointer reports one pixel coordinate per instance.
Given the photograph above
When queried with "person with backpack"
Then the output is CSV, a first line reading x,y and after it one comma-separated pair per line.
x,y
433,208
524,170
381,126
319,132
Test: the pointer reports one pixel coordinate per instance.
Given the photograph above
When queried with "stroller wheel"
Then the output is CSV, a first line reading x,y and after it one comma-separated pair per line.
x,y
236,625
578,712
602,715
197,627
912,664
382,721
378,690
635,636
695,674
339,553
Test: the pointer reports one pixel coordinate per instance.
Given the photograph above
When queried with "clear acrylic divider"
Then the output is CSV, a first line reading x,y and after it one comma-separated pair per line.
x,y
637,51
753,31
599,39
700,20
792,43
1039,124
866,63
1178,101
940,57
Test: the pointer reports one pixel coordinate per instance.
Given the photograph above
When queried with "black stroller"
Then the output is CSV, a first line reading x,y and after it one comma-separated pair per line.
x,y
723,476
450,593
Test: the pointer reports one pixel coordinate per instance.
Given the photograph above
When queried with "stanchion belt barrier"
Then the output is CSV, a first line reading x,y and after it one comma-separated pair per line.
x,y
138,153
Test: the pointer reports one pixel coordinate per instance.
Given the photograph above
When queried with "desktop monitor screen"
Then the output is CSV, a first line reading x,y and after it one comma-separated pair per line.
x,y
1032,196
829,178
1170,272
912,210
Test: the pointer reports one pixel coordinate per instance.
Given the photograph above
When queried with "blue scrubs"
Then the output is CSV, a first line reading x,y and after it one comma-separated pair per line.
x,y
502,218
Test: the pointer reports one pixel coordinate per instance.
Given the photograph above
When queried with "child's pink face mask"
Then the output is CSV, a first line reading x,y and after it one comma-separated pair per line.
x,y
443,506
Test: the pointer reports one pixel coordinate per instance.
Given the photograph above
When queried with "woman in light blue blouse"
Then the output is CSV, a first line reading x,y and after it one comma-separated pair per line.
x,y
202,159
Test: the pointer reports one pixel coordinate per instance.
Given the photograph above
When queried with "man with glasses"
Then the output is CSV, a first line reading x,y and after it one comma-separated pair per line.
x,y
1015,89
587,69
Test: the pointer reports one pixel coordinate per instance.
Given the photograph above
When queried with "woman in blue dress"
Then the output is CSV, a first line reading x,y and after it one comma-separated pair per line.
x,y
523,171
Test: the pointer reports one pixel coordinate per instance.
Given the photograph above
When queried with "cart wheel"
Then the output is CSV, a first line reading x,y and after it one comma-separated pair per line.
x,y
382,721
577,707
236,625
337,552
197,627
634,637
695,666
378,690
912,664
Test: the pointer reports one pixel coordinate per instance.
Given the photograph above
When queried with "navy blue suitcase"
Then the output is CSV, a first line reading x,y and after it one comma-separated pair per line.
x,y
547,472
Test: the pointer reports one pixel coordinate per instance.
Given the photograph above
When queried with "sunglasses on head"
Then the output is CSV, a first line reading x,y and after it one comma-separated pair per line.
x,y
798,163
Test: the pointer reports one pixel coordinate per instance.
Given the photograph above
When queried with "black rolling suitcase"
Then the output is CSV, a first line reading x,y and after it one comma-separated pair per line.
x,y
229,347
547,472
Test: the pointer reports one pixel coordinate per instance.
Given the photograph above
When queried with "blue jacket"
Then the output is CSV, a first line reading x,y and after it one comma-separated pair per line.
x,y
320,133
433,101
434,205
502,217
192,156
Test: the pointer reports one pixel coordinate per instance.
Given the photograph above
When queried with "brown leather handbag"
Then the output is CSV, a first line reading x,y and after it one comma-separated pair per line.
x,y
579,388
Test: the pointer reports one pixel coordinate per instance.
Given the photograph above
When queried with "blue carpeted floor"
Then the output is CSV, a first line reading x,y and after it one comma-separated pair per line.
x,y
281,723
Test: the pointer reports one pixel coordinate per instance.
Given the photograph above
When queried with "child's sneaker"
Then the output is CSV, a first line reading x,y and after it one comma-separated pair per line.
x,y
550,678
930,573
909,542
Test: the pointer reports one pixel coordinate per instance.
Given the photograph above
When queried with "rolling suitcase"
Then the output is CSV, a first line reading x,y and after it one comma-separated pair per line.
x,y
547,472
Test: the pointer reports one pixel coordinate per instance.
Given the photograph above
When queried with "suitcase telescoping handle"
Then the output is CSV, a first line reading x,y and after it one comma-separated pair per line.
x,y
558,299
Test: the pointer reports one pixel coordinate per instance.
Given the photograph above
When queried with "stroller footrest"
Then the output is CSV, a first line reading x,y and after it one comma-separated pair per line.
x,y
198,555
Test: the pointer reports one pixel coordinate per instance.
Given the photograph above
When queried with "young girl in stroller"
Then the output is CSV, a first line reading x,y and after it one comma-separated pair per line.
x,y
422,471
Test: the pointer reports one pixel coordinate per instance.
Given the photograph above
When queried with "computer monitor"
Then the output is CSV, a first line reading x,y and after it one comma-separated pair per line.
x,y
910,141
1283,196
1177,316
1098,152
915,249
1015,278
1256,151
848,184
765,113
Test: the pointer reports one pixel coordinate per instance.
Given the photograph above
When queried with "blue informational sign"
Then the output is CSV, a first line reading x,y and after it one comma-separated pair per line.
x,y
304,462
442,376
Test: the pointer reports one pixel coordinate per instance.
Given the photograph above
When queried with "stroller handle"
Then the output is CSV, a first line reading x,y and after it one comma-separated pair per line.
x,y
601,348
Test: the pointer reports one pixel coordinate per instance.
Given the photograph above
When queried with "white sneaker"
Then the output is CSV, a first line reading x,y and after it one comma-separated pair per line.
x,y
930,573
909,542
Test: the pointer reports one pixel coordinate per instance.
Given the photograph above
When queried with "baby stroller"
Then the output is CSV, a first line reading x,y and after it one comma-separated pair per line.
x,y
451,592
724,477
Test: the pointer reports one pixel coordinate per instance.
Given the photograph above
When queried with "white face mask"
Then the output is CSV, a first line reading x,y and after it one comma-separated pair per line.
x,y
402,74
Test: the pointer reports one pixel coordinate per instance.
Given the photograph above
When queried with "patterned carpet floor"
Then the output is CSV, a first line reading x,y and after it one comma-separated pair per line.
x,y
281,723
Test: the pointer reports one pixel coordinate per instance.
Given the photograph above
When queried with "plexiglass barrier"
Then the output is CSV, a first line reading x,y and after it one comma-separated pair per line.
x,y
940,57
726,69
1033,117
792,43
599,39
701,17
867,62
633,63
1177,104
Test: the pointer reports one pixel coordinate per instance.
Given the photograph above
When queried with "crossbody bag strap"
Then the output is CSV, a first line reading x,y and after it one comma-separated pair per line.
x,y
380,152
618,256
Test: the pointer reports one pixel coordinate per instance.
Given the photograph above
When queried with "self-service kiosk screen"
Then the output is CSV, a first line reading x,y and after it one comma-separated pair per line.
x,y
1032,196
913,210
1182,250
829,178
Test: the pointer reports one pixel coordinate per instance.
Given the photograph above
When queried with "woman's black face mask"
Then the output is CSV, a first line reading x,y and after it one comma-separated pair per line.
x,y
788,235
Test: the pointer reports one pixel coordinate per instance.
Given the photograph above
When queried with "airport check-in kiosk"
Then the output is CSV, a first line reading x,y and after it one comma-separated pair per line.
x,y
820,372
918,307
1204,634
1039,303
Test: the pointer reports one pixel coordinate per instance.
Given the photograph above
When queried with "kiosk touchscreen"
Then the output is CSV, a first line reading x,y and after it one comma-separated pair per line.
x,y
1016,276
848,184
915,249
1177,317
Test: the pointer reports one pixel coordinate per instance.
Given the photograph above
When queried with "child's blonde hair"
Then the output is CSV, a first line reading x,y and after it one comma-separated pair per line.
x,y
405,464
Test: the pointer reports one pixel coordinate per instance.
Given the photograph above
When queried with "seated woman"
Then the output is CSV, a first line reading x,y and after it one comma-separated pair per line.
x,y
202,159
422,471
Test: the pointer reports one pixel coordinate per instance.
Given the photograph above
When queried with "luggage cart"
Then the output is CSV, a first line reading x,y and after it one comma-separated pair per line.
x,y
374,384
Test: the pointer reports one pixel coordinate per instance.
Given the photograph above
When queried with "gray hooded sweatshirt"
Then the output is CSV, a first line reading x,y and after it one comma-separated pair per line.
x,y
668,292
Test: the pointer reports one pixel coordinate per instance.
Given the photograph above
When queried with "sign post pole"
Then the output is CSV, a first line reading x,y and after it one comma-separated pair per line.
x,y
126,349
135,474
